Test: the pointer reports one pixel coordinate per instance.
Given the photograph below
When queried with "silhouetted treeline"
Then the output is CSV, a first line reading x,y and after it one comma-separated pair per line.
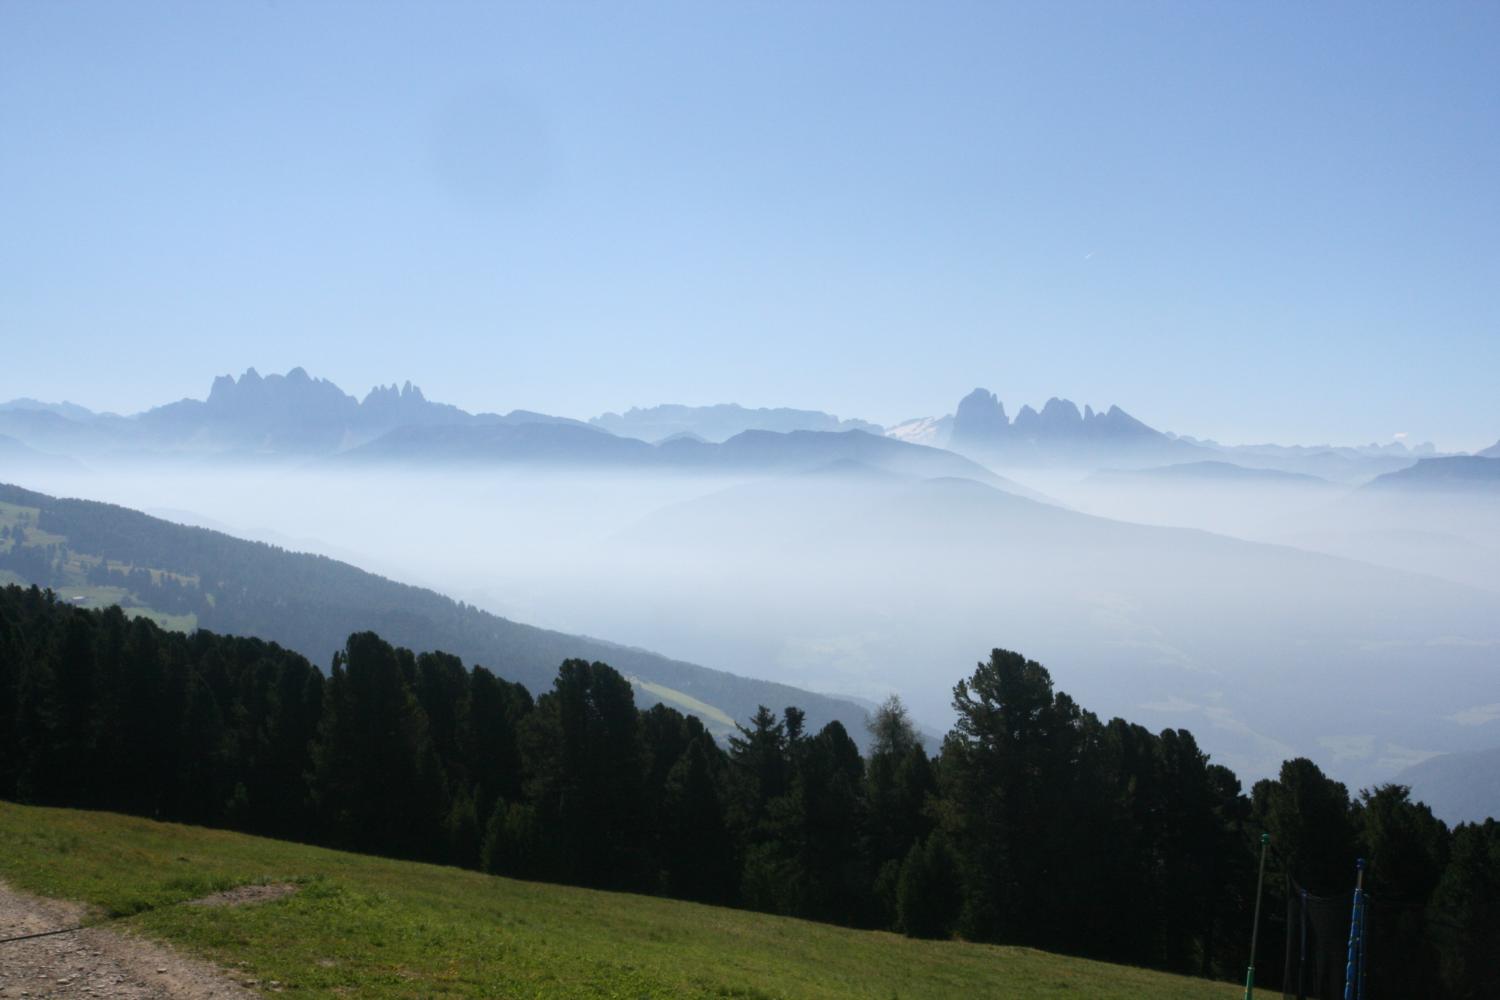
x,y
1035,824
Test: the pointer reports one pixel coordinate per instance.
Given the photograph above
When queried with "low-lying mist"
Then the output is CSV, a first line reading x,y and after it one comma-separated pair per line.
x,y
859,582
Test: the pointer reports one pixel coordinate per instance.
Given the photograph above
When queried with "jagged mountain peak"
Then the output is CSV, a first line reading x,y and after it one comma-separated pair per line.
x,y
1061,412
406,393
296,388
980,417
1058,430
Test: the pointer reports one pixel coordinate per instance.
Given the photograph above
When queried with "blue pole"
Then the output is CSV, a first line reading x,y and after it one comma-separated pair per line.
x,y
1364,941
1351,961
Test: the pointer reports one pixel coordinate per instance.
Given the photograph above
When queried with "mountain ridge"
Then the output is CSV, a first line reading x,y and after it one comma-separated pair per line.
x,y
296,416
1449,473
746,452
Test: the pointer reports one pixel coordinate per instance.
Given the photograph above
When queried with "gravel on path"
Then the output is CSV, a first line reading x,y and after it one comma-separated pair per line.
x,y
97,961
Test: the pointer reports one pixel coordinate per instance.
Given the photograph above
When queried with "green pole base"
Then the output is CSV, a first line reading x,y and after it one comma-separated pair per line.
x,y
1250,983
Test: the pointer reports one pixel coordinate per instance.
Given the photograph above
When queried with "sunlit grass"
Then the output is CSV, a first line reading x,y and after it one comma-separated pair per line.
x,y
371,927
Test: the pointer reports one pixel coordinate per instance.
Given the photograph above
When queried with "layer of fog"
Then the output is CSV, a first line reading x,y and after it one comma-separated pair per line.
x,y
859,583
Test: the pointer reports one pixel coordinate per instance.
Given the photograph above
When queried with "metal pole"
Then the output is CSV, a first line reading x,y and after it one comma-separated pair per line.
x,y
1364,941
1260,882
1356,944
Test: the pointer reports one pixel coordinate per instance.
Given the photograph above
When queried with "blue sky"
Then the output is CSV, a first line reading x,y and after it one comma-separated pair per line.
x,y
1251,221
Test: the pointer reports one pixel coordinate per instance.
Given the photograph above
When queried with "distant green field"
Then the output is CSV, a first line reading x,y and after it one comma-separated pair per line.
x,y
12,515
77,590
716,719
369,927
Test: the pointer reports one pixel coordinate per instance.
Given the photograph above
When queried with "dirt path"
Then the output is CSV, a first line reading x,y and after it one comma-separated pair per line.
x,y
97,962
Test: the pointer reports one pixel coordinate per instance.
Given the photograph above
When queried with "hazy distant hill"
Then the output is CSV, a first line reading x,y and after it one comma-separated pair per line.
x,y
503,443
312,603
1209,471
15,456
1455,473
51,432
1261,649
1460,787
721,422
752,452
1493,451
1439,516
71,411
1347,465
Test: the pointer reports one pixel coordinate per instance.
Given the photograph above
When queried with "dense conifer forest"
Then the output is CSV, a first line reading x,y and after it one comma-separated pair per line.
x,y
1036,823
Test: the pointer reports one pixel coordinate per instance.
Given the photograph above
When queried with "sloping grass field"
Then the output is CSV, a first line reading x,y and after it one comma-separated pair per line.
x,y
371,927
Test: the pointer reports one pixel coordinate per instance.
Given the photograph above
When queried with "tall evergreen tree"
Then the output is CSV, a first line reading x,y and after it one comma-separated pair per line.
x,y
496,709
376,778
583,760
1467,908
899,782
697,850
1007,768
1311,822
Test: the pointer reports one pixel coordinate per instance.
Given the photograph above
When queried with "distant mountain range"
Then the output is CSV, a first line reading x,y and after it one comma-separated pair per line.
x,y
1493,451
191,577
297,413
296,416
721,422
292,414
1060,434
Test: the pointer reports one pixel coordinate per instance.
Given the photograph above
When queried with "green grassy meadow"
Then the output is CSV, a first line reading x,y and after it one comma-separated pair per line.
x,y
716,719
371,927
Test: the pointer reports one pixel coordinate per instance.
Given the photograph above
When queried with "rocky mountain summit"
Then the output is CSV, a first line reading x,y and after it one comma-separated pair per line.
x,y
1057,433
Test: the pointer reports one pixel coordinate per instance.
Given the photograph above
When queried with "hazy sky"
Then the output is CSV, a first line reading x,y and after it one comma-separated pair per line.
x,y
1244,220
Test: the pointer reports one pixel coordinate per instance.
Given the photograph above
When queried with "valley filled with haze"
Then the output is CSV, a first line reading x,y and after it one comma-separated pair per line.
x,y
1339,603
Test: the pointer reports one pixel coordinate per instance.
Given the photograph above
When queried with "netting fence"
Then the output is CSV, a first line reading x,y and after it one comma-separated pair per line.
x,y
1398,959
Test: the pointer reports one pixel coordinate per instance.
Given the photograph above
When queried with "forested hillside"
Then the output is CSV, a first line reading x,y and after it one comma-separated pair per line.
x,y
1036,824
193,576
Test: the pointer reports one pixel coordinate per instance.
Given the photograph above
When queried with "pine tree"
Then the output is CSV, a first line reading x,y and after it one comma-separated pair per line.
x,y
582,754
376,778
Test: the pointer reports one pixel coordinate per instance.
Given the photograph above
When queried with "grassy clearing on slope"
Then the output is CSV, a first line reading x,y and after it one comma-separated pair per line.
x,y
712,716
371,927
14,515
75,587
